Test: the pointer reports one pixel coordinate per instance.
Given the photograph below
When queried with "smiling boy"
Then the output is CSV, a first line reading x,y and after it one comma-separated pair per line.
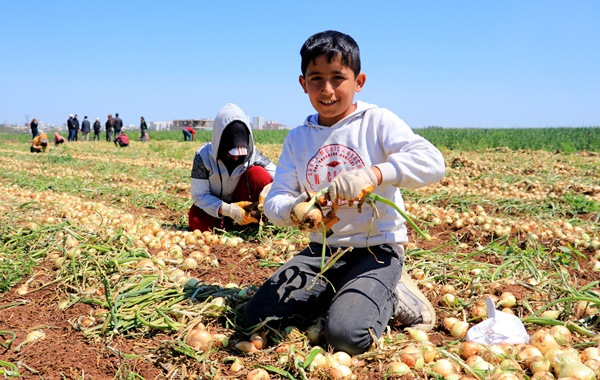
x,y
353,148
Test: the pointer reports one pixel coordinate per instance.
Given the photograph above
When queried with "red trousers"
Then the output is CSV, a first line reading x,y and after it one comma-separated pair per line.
x,y
248,189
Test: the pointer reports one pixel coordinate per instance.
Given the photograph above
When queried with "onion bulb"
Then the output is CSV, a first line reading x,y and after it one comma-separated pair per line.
x,y
340,372
507,299
444,367
199,339
398,369
468,349
258,374
307,214
459,329
257,340
32,337
343,358
246,347
561,334
543,341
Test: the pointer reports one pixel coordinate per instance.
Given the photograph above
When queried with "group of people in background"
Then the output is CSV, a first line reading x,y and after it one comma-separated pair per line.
x,y
113,128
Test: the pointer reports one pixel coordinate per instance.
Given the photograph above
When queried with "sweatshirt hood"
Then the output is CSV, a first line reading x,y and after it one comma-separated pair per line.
x,y
226,115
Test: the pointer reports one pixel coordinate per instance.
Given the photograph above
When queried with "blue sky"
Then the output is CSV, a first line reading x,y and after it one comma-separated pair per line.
x,y
481,64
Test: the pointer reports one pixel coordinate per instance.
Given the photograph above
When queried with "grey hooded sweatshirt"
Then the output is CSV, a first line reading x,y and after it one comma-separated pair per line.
x,y
211,183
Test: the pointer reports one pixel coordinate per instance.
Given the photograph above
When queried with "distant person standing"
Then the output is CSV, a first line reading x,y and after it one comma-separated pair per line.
x,y
71,128
188,133
85,129
76,125
122,140
34,128
109,127
118,125
97,126
143,129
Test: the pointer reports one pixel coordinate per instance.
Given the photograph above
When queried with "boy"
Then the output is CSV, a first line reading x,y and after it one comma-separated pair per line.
x,y
353,148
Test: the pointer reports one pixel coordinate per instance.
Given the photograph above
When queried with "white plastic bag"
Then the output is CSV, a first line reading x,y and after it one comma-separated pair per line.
x,y
499,327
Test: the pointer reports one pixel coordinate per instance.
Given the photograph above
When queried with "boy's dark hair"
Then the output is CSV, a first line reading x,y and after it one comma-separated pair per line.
x,y
332,44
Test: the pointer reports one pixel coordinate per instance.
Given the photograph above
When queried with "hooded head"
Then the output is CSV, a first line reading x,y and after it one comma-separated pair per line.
x,y
239,135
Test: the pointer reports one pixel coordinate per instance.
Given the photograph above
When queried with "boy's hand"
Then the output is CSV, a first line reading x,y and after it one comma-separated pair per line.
x,y
236,212
352,185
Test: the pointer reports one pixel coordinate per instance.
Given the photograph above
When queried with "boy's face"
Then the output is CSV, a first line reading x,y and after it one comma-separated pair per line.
x,y
330,87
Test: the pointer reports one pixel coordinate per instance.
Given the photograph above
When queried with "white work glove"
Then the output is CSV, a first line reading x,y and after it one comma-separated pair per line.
x,y
236,212
352,185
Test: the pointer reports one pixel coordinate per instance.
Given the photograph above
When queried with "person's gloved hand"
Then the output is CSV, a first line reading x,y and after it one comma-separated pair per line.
x,y
236,212
263,193
352,185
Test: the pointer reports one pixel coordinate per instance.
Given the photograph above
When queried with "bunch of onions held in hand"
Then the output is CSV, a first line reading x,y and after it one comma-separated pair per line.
x,y
308,215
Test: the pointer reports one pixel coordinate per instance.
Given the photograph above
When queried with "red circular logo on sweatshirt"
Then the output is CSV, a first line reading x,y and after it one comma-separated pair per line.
x,y
329,161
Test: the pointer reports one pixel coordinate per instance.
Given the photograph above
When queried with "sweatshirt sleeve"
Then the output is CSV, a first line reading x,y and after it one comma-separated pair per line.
x,y
200,188
285,189
412,161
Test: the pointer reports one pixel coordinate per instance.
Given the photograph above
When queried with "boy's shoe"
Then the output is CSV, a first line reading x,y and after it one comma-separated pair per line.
x,y
414,309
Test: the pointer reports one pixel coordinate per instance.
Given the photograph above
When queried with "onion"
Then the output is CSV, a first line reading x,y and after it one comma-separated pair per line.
x,y
430,352
189,263
307,214
257,340
32,337
340,372
246,347
413,359
494,353
528,354
447,288
468,349
199,339
343,358
507,299
258,374
418,335
543,341
449,321
577,371
318,362
397,368
590,353
539,365
459,329
561,334
444,367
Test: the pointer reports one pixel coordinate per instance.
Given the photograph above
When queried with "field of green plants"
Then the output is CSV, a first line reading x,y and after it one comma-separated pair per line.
x,y
101,279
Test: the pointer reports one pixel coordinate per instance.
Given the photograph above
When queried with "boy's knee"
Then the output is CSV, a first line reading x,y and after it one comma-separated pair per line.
x,y
353,341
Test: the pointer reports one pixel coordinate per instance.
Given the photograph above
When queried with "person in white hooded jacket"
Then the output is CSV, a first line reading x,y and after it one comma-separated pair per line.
x,y
352,148
227,173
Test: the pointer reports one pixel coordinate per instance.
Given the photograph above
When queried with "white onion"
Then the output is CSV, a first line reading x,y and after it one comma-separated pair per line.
x,y
397,368
343,358
258,374
444,367
246,347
